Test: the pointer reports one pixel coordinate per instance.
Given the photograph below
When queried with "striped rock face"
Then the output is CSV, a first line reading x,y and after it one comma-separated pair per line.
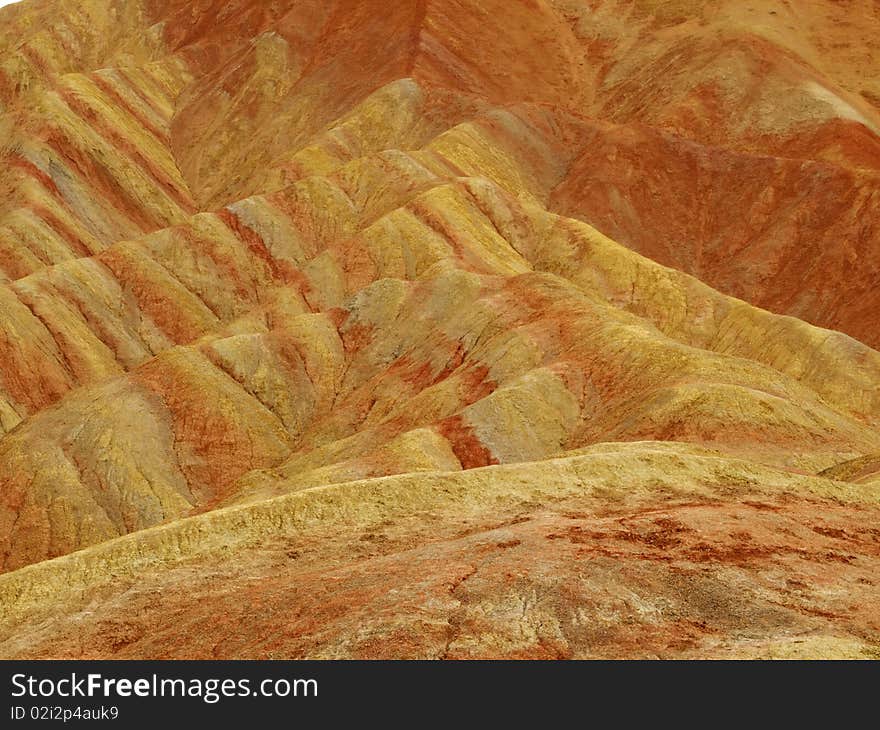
x,y
439,328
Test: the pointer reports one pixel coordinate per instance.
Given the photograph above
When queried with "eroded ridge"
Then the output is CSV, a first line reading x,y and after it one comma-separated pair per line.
x,y
439,329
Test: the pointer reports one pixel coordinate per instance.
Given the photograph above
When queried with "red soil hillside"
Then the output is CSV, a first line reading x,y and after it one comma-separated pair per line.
x,y
443,328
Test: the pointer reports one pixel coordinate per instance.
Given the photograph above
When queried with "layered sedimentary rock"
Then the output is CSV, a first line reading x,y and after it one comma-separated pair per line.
x,y
471,329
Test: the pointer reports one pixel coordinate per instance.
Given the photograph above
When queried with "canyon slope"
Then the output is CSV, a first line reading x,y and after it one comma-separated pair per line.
x,y
439,329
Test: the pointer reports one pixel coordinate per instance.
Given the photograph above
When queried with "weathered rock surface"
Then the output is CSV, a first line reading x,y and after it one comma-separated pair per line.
x,y
439,328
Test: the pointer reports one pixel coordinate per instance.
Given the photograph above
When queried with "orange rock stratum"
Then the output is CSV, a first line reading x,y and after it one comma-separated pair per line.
x,y
439,329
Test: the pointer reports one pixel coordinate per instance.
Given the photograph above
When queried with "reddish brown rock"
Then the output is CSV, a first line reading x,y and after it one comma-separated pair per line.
x,y
444,328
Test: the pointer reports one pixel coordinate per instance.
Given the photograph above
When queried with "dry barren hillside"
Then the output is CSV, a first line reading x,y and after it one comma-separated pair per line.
x,y
439,329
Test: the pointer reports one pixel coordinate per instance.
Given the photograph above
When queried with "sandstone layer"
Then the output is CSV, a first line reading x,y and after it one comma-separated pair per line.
x,y
439,329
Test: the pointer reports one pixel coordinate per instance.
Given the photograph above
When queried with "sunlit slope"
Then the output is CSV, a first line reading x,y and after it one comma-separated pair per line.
x,y
461,327
631,551
253,251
